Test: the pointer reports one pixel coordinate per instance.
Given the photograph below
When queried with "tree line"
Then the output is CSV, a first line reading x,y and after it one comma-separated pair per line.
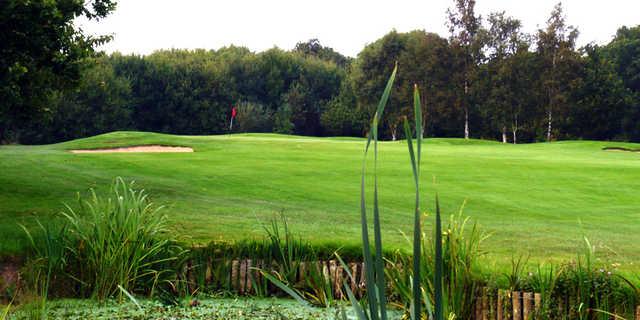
x,y
488,79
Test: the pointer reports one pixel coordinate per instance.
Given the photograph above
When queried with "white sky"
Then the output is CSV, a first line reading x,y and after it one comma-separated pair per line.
x,y
142,26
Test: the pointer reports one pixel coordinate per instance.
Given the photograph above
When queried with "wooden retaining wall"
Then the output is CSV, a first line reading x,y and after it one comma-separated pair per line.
x,y
244,274
488,304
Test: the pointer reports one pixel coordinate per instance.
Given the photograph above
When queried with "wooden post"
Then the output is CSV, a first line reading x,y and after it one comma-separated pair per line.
x,y
208,275
478,305
499,306
527,302
235,265
638,313
354,277
333,274
250,273
515,300
191,277
538,304
243,276
492,305
485,304
339,280
325,271
302,271
362,282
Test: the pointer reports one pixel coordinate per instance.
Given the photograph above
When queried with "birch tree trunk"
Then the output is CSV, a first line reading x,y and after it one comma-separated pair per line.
x,y
551,96
549,125
466,110
514,129
504,134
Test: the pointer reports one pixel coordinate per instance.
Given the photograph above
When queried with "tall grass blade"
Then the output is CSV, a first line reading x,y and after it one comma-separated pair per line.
x,y
285,288
437,281
374,279
5,312
417,232
417,110
360,313
131,297
415,287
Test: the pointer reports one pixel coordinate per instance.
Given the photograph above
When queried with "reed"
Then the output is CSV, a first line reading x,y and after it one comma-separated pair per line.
x,y
119,240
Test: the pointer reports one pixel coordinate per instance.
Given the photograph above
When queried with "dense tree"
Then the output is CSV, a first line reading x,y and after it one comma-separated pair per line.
x,y
502,106
466,34
624,54
556,48
40,53
315,49
424,59
601,102
486,78
253,117
342,116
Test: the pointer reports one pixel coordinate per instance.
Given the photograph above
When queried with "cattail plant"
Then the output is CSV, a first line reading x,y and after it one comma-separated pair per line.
x,y
375,307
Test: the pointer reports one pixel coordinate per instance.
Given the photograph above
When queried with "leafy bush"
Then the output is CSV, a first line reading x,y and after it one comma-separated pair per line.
x,y
253,117
118,240
282,120
107,243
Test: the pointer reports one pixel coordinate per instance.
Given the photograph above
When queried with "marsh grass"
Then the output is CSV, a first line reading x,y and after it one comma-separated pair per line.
x,y
47,261
295,267
461,250
106,242
287,251
544,281
121,239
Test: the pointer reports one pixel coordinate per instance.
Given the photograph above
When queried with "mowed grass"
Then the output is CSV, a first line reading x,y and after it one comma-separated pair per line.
x,y
534,199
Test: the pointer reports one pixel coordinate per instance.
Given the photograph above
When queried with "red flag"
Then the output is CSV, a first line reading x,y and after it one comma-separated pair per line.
x,y
234,111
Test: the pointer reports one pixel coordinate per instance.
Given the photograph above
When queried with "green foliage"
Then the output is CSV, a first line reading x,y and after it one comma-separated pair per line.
x,y
210,308
282,120
342,117
118,240
47,260
50,61
101,103
5,312
287,250
296,267
253,117
460,278
543,281
373,262
315,49
487,79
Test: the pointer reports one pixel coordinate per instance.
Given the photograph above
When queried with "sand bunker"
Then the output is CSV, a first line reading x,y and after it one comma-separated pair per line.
x,y
620,149
151,148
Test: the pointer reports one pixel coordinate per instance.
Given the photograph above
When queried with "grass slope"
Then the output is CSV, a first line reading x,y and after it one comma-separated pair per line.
x,y
537,199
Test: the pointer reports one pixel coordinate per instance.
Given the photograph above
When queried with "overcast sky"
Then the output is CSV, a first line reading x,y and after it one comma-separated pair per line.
x,y
142,26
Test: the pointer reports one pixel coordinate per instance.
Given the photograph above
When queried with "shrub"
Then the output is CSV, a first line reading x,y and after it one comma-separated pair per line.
x,y
253,117
121,239
282,120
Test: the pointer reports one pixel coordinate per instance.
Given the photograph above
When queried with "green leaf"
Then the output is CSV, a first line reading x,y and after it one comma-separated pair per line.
x,y
132,298
285,288
437,281
415,301
376,297
355,304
